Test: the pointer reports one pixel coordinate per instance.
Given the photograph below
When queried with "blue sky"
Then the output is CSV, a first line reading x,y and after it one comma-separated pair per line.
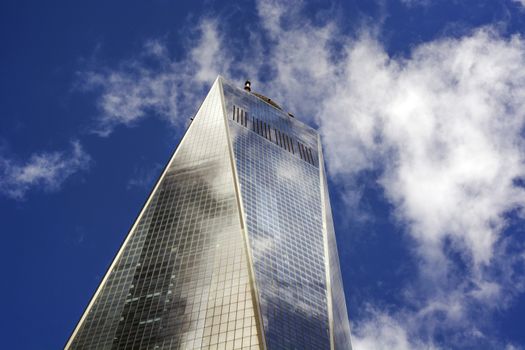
x,y
421,105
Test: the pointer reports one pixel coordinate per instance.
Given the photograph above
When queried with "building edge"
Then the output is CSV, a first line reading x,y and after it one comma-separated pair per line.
x,y
326,250
324,200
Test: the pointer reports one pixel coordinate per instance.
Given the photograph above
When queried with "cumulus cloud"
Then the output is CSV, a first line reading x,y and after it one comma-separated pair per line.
x,y
382,332
446,126
442,126
43,171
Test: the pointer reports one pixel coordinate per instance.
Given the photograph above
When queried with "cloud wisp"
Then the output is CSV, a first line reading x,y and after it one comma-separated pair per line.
x,y
45,171
155,84
144,177
443,127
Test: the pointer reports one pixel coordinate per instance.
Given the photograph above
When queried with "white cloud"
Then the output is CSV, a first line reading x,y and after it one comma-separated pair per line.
x,y
382,332
446,127
155,84
45,171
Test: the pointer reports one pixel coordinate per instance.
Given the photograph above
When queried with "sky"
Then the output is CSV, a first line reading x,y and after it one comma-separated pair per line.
x,y
420,104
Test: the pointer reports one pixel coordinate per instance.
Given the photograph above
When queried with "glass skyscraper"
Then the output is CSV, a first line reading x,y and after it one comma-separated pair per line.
x,y
235,247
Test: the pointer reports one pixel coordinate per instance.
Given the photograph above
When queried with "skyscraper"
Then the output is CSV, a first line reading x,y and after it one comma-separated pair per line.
x,y
234,248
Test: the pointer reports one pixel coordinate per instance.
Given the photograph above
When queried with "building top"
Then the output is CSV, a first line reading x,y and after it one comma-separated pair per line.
x,y
271,113
248,88
267,100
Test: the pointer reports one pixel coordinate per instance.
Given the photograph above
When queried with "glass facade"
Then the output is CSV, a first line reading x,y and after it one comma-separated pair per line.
x,y
234,249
